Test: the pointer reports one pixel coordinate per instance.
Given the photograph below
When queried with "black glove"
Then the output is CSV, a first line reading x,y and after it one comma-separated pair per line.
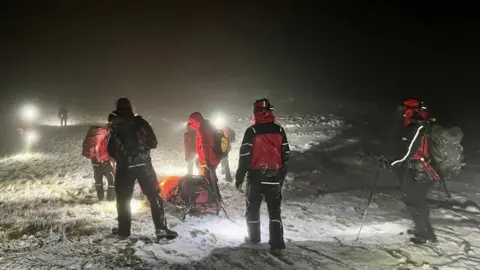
x,y
383,163
239,178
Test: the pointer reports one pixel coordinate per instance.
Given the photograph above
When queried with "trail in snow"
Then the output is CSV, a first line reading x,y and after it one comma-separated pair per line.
x,y
51,218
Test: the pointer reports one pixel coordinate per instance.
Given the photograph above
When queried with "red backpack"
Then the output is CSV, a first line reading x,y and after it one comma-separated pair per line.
x,y
95,144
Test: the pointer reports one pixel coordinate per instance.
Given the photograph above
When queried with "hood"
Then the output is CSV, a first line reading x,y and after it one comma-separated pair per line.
x,y
194,121
261,117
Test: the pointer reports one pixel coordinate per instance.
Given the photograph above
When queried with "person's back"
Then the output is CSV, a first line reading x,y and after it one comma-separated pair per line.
x,y
417,174
263,159
131,140
130,143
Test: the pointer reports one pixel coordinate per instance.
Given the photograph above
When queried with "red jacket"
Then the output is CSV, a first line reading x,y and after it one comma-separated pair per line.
x,y
264,152
205,140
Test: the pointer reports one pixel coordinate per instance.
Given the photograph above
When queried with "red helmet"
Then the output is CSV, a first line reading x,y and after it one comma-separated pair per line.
x,y
414,109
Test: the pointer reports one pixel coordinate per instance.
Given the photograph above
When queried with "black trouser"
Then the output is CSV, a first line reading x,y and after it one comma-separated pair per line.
x,y
63,121
273,198
99,171
226,169
190,166
415,192
211,175
124,184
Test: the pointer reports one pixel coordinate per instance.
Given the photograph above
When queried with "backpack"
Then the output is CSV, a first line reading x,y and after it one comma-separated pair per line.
x,y
221,145
191,192
446,151
95,144
128,142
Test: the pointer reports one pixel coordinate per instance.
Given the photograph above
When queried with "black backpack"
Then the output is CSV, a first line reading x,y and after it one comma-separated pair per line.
x,y
128,142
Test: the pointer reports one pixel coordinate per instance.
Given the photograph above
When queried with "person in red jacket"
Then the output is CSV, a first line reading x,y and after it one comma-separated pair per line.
x,y
205,142
263,159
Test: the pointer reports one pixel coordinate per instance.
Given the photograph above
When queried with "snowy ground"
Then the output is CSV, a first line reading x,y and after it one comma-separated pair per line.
x,y
51,219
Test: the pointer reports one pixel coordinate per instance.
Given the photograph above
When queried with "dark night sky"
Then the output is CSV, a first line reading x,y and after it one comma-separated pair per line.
x,y
363,50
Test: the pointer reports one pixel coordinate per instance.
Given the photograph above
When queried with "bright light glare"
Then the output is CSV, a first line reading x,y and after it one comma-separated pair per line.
x,y
135,206
173,170
111,207
31,136
29,113
219,121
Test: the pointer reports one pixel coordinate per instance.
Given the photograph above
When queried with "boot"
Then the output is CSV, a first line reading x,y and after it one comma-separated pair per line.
x,y
120,235
111,193
276,235
276,251
421,239
412,231
166,233
247,240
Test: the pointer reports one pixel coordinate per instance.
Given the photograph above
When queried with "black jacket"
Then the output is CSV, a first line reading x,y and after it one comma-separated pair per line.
x,y
264,154
410,143
131,139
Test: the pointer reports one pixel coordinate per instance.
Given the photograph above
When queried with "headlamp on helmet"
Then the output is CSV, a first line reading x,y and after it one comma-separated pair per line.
x,y
262,105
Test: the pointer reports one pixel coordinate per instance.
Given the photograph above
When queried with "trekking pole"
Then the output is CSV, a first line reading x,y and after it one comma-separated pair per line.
x,y
216,192
444,186
368,203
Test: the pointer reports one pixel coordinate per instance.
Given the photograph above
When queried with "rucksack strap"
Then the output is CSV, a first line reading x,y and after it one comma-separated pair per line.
x,y
423,155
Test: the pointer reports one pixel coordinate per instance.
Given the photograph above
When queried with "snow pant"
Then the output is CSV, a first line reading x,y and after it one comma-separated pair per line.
x,y
63,121
101,170
226,169
193,161
124,183
211,175
415,191
273,198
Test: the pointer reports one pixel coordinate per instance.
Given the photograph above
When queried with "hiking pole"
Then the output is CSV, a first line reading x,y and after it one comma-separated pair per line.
x,y
216,191
444,186
368,203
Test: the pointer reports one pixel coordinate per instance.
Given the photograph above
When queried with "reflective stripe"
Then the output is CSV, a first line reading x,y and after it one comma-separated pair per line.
x,y
245,154
284,143
287,152
247,144
254,131
409,147
138,165
111,186
269,183
256,221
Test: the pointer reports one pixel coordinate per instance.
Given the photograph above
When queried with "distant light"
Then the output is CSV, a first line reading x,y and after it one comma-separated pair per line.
x,y
29,113
31,136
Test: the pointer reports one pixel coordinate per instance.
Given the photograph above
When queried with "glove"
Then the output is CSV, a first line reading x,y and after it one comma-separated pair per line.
x,y
383,163
239,178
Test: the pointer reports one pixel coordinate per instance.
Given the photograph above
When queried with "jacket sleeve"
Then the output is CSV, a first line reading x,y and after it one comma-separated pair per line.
x,y
412,146
285,150
245,154
149,134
